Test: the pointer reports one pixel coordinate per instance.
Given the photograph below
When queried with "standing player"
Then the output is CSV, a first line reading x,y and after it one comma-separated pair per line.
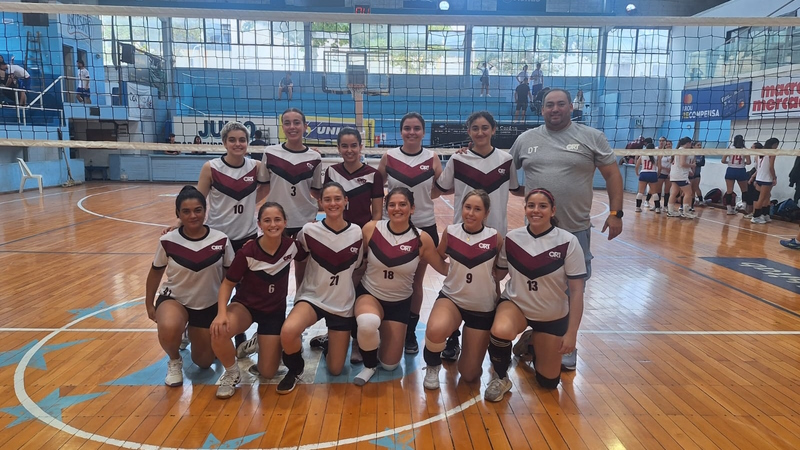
x,y
194,257
234,185
680,189
83,83
327,291
416,168
469,292
363,185
694,179
562,156
647,168
545,292
394,250
481,167
663,175
261,271
736,172
765,179
295,176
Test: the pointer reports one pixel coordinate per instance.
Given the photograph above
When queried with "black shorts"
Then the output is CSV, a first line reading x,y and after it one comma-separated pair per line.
x,y
332,321
522,106
433,233
556,327
237,244
477,320
200,318
292,232
663,176
681,183
648,177
269,324
399,311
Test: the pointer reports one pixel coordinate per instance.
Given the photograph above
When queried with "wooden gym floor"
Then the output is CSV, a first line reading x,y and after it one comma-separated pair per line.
x,y
690,339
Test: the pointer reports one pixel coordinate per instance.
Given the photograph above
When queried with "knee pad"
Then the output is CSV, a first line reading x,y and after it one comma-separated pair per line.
x,y
547,383
368,335
389,367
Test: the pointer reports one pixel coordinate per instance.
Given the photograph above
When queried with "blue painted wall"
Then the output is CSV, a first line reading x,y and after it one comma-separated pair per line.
x,y
54,173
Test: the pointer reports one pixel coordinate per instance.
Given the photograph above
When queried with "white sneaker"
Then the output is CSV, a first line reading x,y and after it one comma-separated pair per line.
x,y
364,376
731,212
185,339
174,372
638,209
227,383
646,205
657,210
523,348
569,361
767,219
488,95
247,347
497,388
688,215
673,214
758,220
432,377
748,216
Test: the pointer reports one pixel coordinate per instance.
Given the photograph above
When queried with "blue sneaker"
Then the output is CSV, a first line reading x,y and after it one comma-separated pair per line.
x,y
791,243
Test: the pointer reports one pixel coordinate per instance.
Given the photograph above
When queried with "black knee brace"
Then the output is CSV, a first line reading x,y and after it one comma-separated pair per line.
x,y
547,383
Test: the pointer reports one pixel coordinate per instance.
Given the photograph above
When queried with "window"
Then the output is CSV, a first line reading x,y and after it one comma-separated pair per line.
x,y
637,52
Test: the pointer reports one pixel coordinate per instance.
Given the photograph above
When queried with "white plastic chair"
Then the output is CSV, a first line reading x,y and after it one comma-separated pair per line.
x,y
27,175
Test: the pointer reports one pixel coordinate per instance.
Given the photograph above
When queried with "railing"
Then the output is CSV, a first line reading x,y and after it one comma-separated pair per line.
x,y
22,116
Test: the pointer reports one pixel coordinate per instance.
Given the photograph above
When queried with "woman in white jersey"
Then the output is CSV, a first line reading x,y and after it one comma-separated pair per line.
x,y
736,173
416,168
383,298
260,274
469,292
544,262
194,257
327,291
234,185
663,175
294,177
694,178
680,188
765,179
647,168
483,167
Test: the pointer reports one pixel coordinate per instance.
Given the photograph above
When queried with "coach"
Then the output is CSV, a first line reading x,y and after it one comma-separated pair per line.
x,y
561,156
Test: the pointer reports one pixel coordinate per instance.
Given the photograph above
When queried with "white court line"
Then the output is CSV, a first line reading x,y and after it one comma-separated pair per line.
x,y
88,330
699,217
80,205
42,415
47,195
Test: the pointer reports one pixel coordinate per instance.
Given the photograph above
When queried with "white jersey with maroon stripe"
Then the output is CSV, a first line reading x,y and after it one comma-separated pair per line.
x,y
539,267
495,173
647,165
392,260
736,162
328,281
469,282
416,173
232,198
194,267
292,177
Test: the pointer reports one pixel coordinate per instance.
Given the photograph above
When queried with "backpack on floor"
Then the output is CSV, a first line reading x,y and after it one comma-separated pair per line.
x,y
787,209
713,196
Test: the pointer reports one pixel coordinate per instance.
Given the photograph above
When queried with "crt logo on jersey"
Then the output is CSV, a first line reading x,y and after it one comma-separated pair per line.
x,y
484,246
405,248
248,179
217,248
424,167
354,249
554,255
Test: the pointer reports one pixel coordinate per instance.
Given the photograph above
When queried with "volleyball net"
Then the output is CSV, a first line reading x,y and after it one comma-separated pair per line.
x,y
123,79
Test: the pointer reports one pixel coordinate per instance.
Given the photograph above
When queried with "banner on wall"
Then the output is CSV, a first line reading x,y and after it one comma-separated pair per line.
x,y
777,97
140,102
209,128
724,102
323,130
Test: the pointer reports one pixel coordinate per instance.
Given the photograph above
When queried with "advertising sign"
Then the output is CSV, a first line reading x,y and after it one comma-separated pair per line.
x,y
724,102
323,130
775,97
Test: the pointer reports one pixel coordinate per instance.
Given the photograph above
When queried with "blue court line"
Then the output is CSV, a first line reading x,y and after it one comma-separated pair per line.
x,y
755,297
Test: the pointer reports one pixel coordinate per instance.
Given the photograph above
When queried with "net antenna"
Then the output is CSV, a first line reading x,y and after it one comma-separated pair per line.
x,y
356,73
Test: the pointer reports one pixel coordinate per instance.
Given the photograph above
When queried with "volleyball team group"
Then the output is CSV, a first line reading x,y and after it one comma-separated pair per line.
x,y
361,268
678,177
